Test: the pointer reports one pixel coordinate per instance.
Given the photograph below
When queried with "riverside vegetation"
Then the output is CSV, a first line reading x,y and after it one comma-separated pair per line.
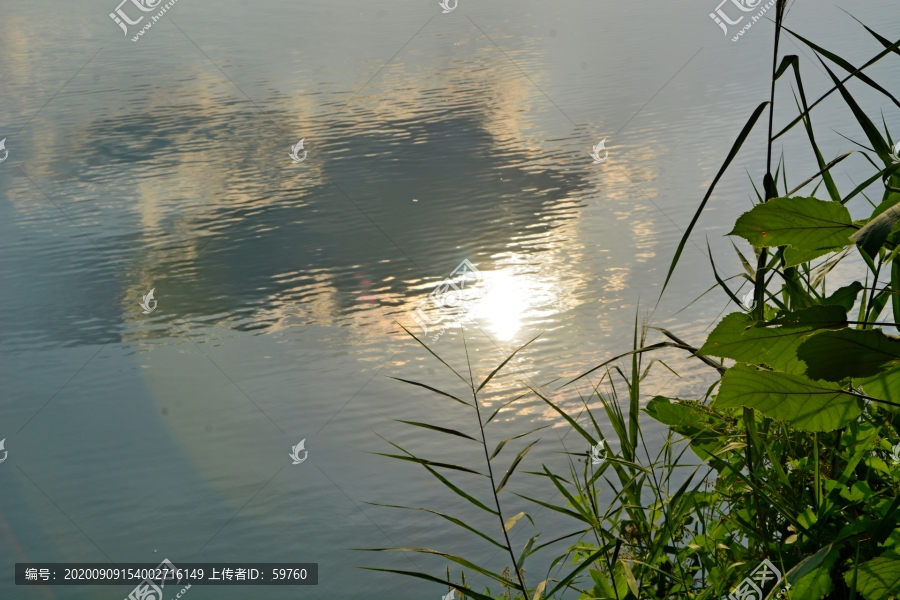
x,y
787,457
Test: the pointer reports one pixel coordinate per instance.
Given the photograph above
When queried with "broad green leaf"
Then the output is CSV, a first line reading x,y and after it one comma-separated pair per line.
x,y
879,578
811,578
836,355
794,257
845,296
884,386
803,223
807,405
693,420
739,337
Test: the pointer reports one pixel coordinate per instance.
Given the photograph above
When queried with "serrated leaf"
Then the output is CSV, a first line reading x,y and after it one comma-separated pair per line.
x,y
803,223
794,256
807,405
879,578
739,337
837,355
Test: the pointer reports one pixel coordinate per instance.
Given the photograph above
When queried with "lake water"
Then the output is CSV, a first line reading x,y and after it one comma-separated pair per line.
x,y
431,138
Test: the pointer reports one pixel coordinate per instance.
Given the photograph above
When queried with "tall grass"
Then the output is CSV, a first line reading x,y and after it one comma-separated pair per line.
x,y
792,455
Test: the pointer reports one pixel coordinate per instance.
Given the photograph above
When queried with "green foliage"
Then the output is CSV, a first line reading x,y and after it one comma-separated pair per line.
x,y
788,457
802,223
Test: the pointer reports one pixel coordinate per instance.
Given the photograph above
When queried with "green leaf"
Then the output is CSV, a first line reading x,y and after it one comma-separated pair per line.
x,y
435,390
447,517
803,223
836,355
511,522
807,405
739,337
871,237
436,428
515,464
515,437
461,589
794,257
425,462
845,296
735,148
503,364
811,578
457,559
879,578
884,386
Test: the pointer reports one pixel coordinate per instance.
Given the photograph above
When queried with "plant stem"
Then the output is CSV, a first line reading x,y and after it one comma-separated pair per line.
x,y
487,459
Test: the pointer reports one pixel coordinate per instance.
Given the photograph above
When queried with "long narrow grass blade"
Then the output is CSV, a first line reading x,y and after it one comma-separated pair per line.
x,y
721,283
555,508
734,150
584,565
457,559
515,464
460,492
568,495
843,64
503,364
715,365
570,420
861,187
502,406
436,428
429,463
868,127
649,348
823,171
435,390
430,351
892,48
447,517
461,589
882,40
526,551
515,437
